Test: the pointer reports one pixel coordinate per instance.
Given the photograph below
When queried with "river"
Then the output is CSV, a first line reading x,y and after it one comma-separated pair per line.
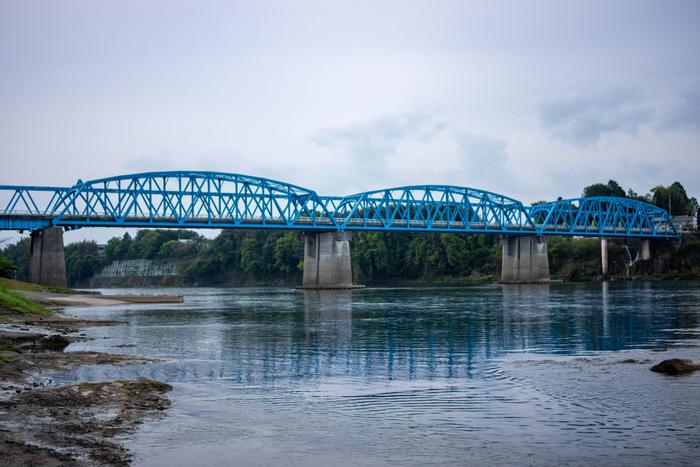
x,y
483,375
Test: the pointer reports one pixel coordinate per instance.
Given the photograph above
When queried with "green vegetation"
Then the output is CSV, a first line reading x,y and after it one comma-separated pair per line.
x,y
82,262
15,301
20,285
612,188
18,254
672,198
7,267
680,203
394,257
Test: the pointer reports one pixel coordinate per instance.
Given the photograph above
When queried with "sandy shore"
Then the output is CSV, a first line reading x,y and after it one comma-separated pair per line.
x,y
63,299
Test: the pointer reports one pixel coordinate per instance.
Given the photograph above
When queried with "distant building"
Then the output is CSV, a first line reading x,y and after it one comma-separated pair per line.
x,y
101,249
685,223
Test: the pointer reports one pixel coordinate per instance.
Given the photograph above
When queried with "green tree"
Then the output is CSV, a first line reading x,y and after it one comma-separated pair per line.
x,y
370,255
7,267
148,242
119,249
288,252
612,188
83,261
18,254
205,268
680,204
251,257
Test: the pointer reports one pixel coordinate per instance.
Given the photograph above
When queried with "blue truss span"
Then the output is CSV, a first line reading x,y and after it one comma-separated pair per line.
x,y
603,216
438,208
192,199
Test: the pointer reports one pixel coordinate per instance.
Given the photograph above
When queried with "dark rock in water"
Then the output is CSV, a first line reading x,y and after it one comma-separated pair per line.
x,y
676,366
54,342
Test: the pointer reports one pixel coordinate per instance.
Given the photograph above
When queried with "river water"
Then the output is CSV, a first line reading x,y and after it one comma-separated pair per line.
x,y
484,375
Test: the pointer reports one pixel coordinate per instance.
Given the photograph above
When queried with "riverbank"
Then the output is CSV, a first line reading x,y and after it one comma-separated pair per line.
x,y
71,425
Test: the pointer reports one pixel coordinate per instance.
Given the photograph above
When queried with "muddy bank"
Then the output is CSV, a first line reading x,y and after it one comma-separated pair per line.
x,y
63,324
73,425
25,354
76,425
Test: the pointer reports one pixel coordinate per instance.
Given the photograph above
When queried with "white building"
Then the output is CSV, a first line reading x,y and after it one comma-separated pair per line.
x,y
685,223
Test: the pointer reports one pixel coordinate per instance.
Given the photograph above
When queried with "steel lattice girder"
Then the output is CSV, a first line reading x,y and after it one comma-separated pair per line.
x,y
191,199
603,216
439,208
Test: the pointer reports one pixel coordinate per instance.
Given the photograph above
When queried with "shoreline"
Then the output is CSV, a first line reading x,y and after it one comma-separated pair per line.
x,y
456,282
78,424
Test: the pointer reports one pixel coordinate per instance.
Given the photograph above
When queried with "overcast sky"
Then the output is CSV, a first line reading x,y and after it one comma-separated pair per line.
x,y
532,99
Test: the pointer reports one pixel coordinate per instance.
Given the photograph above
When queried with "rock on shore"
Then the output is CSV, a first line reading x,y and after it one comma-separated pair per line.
x,y
676,366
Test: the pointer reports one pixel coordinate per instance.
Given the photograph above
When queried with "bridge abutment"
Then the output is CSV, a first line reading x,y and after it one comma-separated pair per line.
x,y
327,262
524,260
47,262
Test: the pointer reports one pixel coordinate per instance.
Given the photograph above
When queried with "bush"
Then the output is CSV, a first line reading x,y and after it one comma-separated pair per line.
x,y
7,267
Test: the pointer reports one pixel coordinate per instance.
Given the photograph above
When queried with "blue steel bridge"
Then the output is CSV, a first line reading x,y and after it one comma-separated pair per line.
x,y
222,200
193,199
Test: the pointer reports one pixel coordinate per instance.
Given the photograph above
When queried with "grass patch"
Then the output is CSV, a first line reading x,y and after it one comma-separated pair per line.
x,y
14,301
54,289
20,285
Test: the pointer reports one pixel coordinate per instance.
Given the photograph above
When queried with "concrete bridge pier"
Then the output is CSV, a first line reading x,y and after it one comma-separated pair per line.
x,y
524,260
327,262
47,262
646,249
604,255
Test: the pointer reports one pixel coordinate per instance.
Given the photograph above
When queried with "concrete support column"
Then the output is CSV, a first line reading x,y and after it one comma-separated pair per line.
x,y
646,249
327,263
604,255
524,259
47,262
